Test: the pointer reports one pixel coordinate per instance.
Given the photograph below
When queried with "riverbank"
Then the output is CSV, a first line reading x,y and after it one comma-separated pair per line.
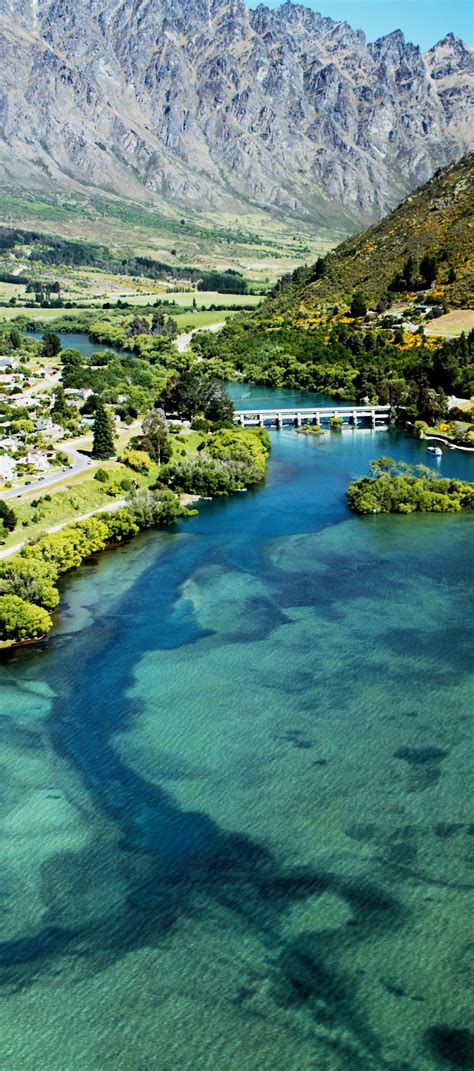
x,y
229,459
110,507
28,581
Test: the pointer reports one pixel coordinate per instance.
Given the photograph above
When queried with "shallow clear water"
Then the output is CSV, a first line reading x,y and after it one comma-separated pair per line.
x,y
237,823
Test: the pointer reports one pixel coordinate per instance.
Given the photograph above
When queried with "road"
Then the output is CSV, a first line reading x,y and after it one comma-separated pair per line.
x,y
110,507
39,388
79,462
183,340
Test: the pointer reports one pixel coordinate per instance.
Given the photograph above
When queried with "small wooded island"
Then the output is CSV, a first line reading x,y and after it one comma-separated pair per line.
x,y
396,487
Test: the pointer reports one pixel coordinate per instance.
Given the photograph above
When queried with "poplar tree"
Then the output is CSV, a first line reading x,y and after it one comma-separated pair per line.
x,y
103,447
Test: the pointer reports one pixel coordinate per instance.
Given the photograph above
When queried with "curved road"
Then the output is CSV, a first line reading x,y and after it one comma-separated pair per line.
x,y
79,462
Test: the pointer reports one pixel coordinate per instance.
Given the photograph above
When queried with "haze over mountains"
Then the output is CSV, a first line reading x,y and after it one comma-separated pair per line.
x,y
215,107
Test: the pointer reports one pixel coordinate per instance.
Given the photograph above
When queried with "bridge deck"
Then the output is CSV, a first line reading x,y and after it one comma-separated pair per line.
x,y
300,414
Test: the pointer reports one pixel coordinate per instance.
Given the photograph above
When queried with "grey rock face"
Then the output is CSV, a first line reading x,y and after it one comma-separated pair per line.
x,y
214,106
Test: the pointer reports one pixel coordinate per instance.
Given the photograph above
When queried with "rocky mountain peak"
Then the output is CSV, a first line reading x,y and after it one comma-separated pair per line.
x,y
212,105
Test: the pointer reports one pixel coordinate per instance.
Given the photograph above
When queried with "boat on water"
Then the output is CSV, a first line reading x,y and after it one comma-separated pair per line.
x,y
436,450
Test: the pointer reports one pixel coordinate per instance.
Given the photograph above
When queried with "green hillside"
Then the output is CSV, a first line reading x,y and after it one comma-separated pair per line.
x,y
316,332
435,222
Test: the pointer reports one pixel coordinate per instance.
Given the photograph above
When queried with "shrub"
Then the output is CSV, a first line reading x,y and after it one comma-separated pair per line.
x,y
8,517
102,476
20,620
30,579
138,460
335,423
150,508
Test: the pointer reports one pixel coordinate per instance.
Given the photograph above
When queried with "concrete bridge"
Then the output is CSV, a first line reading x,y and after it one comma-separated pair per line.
x,y
375,415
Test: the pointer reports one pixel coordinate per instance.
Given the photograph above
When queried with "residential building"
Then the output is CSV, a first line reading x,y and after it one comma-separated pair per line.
x,y
7,468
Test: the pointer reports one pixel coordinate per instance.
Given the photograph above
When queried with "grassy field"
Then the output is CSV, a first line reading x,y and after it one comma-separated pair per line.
x,y
258,243
452,325
211,297
38,314
182,298
191,320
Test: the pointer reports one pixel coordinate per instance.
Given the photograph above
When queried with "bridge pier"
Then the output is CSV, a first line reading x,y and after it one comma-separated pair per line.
x,y
279,421
354,418
297,420
260,420
373,417
317,418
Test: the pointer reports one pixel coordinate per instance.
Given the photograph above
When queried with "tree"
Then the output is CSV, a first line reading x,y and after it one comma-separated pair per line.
x,y
408,271
31,579
193,392
51,343
71,358
103,446
16,338
8,517
156,440
60,408
20,620
428,269
358,305
138,326
218,407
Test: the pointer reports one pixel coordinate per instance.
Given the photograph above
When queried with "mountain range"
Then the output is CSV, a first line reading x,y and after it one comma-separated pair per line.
x,y
212,106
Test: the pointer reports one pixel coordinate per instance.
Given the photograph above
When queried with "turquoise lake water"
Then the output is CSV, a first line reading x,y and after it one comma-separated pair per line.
x,y
78,341
237,813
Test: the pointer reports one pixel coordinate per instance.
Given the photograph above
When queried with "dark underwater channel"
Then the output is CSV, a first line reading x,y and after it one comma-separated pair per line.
x,y
236,791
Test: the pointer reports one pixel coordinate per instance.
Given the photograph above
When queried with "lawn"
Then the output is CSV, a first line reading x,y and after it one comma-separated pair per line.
x,y
38,314
189,321
146,300
205,298
76,497
452,324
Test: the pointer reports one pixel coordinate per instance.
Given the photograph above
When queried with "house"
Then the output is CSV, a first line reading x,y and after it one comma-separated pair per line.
x,y
49,429
38,459
9,443
81,394
7,468
7,362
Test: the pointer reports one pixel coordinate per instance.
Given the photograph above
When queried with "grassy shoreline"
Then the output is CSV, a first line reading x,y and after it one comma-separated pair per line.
x,y
29,572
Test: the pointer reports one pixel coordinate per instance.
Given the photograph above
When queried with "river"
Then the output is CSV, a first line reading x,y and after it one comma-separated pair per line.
x,y
237,833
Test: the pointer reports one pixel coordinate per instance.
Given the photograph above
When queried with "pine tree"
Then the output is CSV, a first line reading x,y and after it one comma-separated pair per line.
x,y
103,435
59,409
